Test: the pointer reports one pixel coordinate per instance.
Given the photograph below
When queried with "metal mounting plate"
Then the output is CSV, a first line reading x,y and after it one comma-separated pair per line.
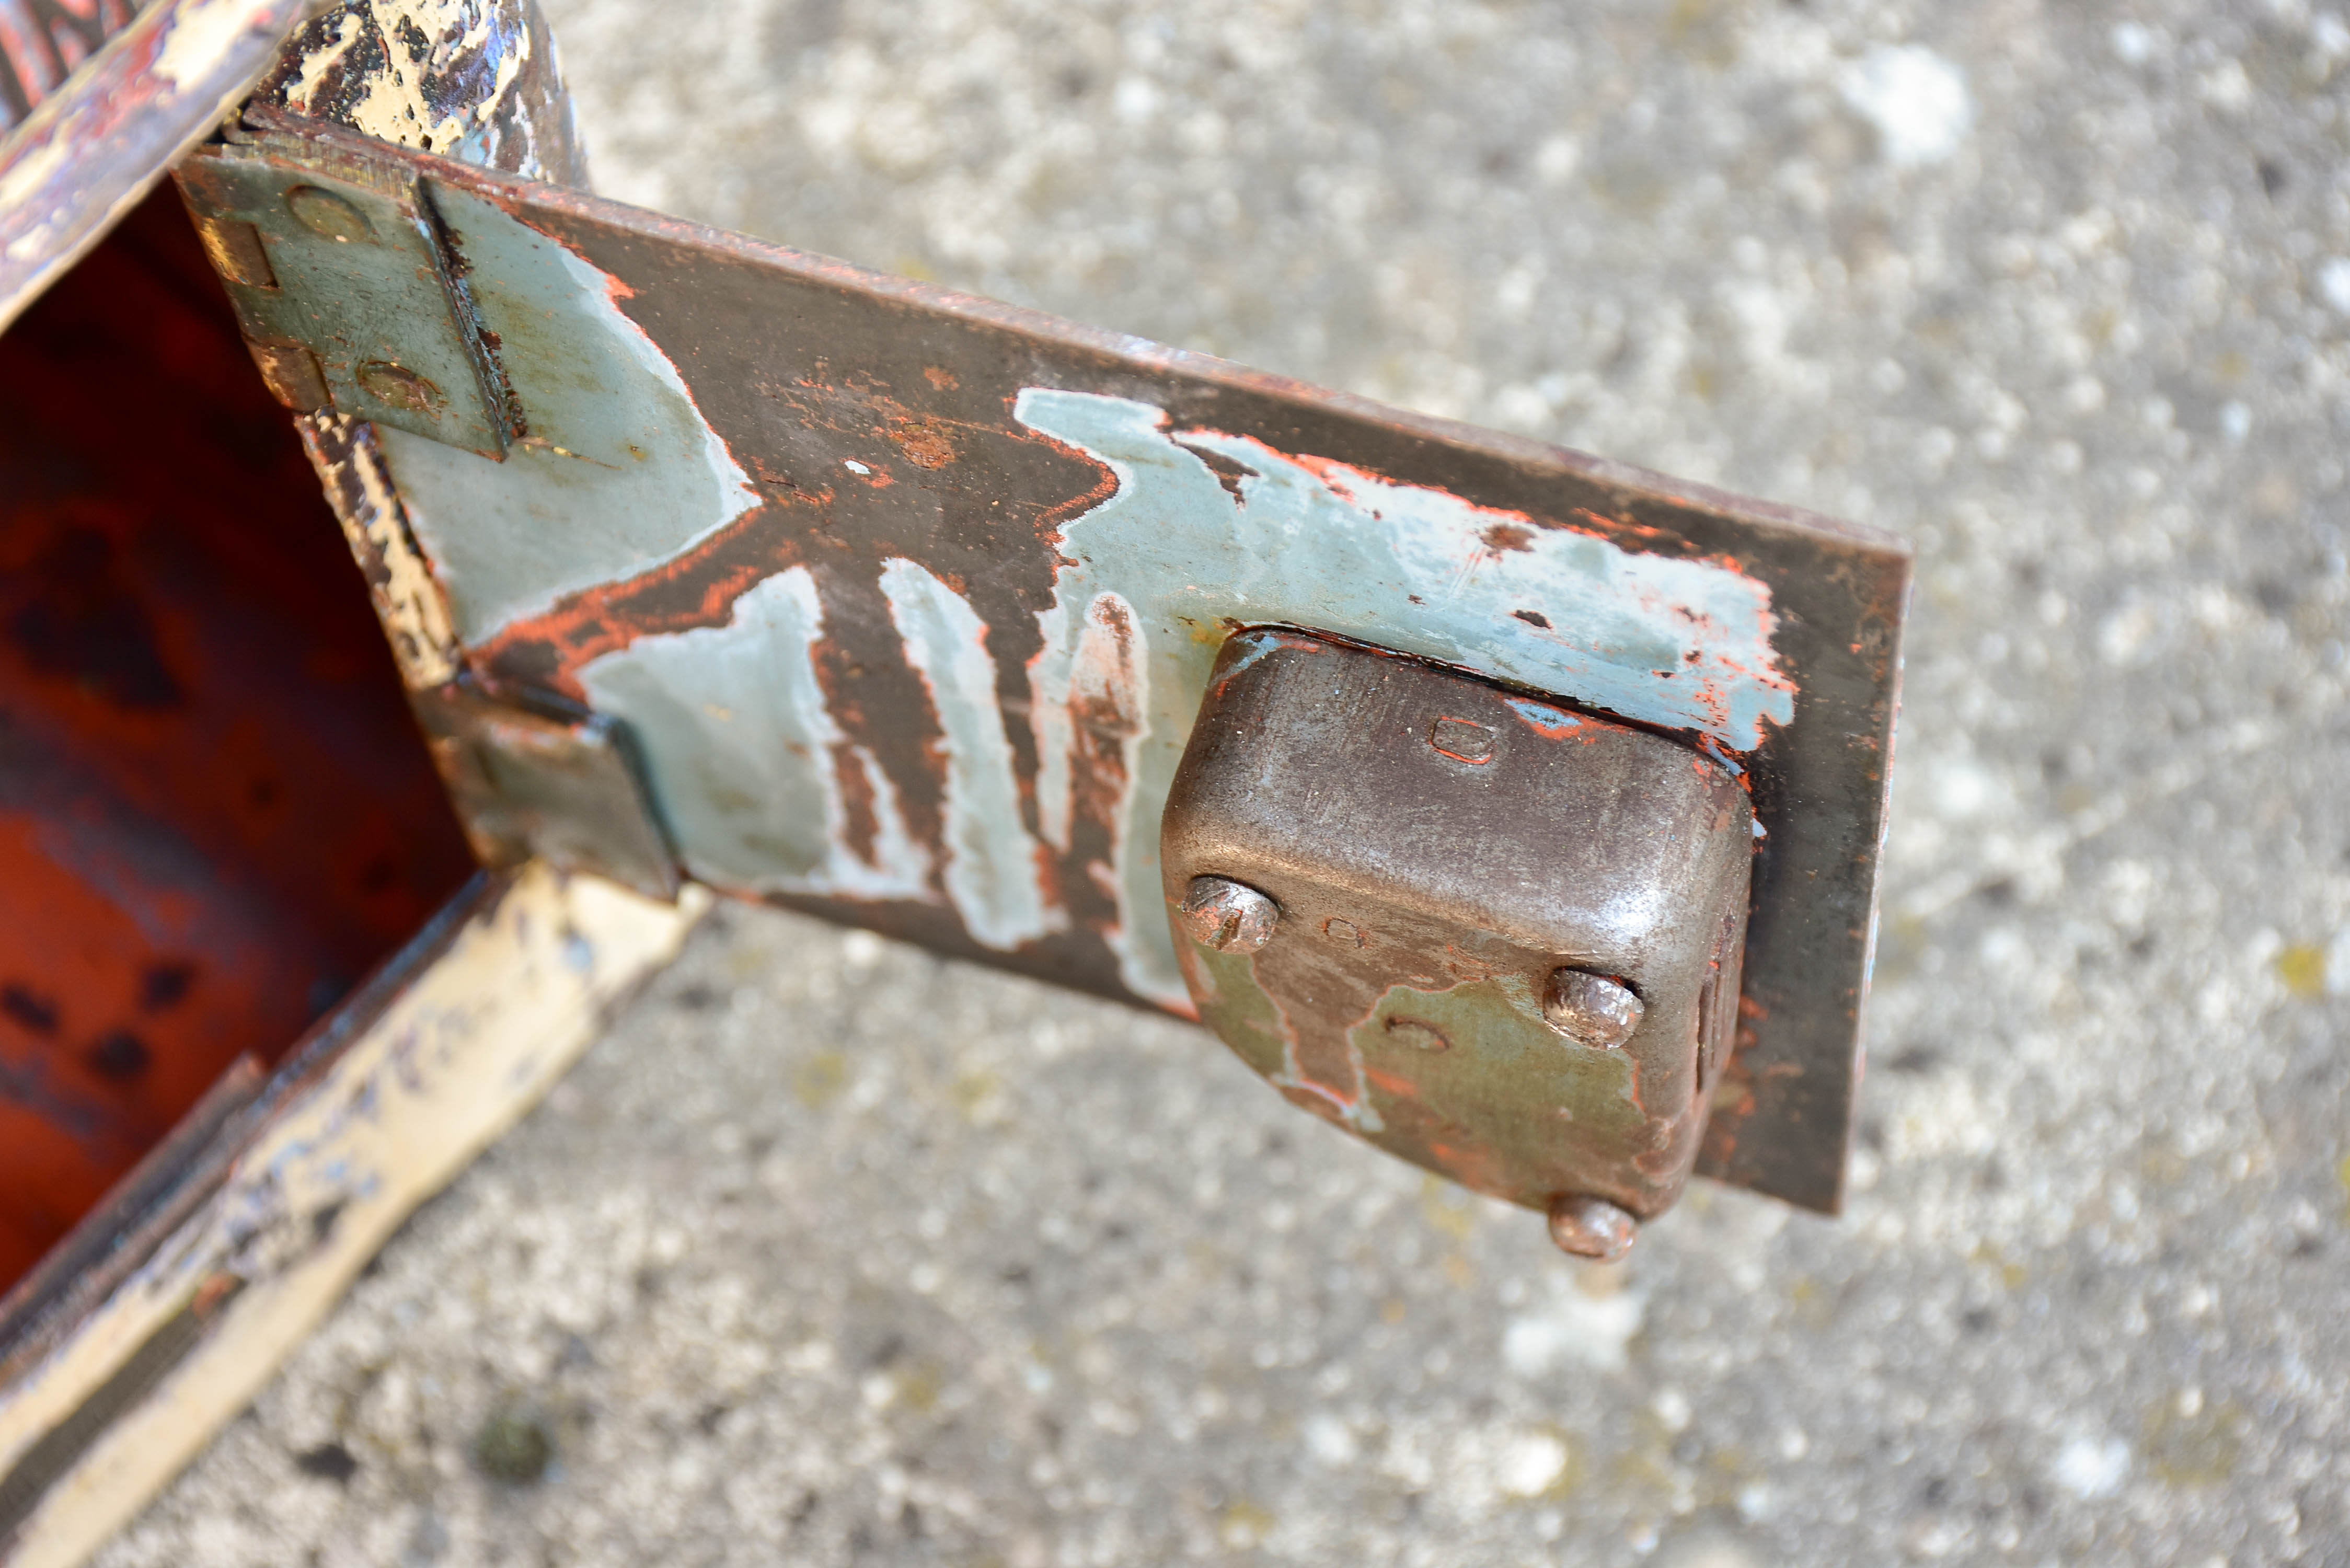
x,y
910,599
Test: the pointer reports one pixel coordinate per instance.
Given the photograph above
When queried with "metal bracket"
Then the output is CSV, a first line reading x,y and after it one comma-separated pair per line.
x,y
911,599
528,785
1484,932
350,295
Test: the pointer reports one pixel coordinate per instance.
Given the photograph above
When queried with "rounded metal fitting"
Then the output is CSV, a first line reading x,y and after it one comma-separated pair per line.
x,y
1585,1227
1228,916
398,387
1591,1010
327,215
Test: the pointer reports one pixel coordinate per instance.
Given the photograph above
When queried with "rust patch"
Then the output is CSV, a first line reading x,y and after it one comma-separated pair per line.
x,y
72,613
861,824
1228,473
862,667
925,444
1105,717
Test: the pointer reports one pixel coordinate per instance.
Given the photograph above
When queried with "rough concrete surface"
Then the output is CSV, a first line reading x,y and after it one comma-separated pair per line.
x,y
833,1254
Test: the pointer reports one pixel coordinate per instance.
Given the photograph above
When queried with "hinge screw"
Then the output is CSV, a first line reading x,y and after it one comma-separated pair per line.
x,y
398,387
1228,916
1586,1227
1591,1009
327,215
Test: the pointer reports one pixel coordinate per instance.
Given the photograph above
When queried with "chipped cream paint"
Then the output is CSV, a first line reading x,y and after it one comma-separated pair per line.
x,y
396,108
993,868
471,1043
619,472
203,39
1678,643
349,26
409,604
741,749
27,173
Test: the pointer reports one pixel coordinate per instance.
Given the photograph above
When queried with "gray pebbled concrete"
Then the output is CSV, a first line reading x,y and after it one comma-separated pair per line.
x,y
833,1254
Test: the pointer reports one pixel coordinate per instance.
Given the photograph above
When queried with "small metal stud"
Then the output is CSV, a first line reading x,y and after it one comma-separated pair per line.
x,y
1228,916
327,215
398,387
1592,1010
1586,1227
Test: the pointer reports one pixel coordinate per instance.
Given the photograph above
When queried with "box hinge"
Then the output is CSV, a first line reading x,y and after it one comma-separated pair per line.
x,y
528,786
350,293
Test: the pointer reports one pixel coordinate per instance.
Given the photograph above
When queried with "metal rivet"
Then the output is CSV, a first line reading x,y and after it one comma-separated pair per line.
x,y
1591,1009
396,386
1228,916
1588,1227
326,215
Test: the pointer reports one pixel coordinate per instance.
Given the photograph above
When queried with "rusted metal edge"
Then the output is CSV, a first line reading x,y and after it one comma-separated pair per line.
x,y
565,788
123,1232
49,1460
442,1051
128,1225
408,601
89,151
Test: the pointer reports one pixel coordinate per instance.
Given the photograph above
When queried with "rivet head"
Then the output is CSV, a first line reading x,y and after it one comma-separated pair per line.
x,y
1591,1010
327,215
1585,1227
396,386
1228,916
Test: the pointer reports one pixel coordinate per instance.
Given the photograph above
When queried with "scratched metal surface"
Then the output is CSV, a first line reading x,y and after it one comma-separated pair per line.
x,y
837,1256
1434,849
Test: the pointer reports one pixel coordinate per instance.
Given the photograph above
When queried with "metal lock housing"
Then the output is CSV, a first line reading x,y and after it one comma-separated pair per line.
x,y
1497,938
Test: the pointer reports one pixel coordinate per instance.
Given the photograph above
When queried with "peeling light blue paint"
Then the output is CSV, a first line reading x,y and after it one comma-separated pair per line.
x,y
1098,673
992,865
620,470
1542,716
1074,663
1678,643
740,745
1100,677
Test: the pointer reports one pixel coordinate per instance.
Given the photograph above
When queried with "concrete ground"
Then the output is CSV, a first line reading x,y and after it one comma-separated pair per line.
x,y
833,1254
